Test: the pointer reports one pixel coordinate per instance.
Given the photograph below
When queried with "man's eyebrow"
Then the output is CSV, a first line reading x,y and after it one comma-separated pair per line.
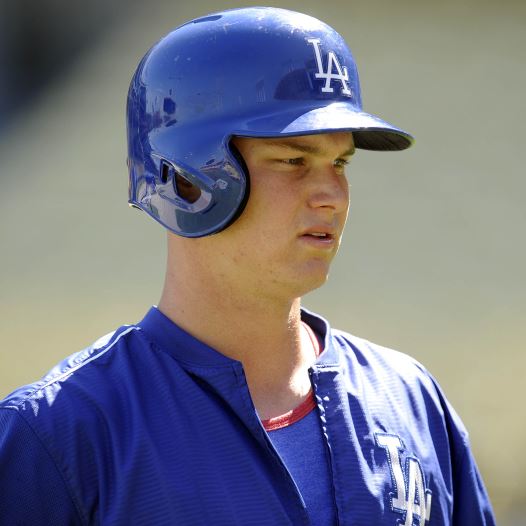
x,y
299,146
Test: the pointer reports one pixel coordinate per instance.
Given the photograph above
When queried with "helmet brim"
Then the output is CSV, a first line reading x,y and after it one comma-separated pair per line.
x,y
369,132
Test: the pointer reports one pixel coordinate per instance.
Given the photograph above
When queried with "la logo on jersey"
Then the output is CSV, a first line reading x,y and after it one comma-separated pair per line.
x,y
409,496
334,70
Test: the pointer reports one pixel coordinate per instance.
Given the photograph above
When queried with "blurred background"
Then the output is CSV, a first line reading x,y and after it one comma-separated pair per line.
x,y
432,262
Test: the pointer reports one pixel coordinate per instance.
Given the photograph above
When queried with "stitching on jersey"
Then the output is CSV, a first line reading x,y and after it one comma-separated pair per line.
x,y
322,412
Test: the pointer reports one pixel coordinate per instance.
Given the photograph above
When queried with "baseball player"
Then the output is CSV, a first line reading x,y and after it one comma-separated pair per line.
x,y
228,404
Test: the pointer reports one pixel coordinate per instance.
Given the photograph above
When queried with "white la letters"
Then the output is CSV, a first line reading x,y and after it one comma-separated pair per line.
x,y
410,495
341,73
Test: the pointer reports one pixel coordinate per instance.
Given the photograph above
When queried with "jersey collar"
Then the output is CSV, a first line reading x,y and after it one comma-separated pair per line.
x,y
171,338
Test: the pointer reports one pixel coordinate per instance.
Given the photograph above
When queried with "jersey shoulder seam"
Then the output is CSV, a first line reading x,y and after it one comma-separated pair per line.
x,y
14,400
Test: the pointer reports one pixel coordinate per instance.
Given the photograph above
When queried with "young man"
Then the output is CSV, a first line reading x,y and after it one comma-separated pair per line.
x,y
228,404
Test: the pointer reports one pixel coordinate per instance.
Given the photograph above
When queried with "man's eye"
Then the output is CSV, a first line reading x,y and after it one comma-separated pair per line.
x,y
297,161
341,163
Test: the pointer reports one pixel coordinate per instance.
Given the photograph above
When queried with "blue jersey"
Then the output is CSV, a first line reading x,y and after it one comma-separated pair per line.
x,y
149,426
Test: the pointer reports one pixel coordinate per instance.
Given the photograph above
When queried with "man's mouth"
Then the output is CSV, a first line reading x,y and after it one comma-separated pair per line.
x,y
325,237
320,235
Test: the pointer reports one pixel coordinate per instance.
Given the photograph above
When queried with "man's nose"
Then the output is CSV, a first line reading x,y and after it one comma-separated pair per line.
x,y
329,189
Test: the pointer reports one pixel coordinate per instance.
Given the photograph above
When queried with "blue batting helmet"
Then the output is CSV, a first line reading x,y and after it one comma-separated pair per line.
x,y
252,72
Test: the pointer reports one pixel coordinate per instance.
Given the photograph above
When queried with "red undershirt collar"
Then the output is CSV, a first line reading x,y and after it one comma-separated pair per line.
x,y
296,414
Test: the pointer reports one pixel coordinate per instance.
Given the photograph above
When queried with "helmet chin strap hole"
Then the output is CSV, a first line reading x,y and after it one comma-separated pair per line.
x,y
186,190
165,172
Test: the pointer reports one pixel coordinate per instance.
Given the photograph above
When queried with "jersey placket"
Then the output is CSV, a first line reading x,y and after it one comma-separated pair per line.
x,y
344,431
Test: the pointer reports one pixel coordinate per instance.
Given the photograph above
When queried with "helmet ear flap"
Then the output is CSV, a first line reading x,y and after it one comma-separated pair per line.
x,y
243,165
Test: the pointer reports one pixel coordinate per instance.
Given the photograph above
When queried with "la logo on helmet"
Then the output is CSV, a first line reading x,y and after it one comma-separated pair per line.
x,y
341,73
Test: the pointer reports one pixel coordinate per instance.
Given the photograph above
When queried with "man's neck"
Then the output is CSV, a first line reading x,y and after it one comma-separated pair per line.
x,y
264,335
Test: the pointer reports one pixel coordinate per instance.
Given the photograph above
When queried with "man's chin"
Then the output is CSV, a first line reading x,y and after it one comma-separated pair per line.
x,y
313,281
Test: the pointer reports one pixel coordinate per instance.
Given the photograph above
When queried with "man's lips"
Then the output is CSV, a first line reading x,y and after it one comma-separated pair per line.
x,y
319,235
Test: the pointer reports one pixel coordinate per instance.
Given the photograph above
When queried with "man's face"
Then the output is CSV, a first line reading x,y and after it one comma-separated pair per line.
x,y
290,230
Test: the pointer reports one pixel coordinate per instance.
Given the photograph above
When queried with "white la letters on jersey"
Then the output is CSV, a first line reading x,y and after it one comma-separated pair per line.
x,y
410,496
341,73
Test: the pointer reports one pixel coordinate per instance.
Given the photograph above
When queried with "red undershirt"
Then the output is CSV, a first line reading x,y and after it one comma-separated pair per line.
x,y
292,416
